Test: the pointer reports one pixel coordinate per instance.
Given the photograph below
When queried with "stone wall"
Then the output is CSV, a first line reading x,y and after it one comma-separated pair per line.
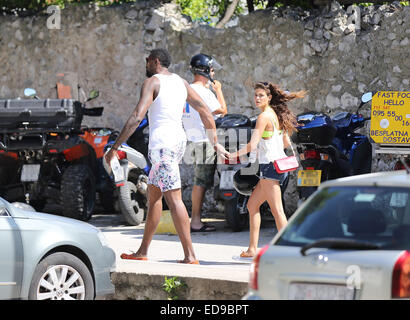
x,y
330,53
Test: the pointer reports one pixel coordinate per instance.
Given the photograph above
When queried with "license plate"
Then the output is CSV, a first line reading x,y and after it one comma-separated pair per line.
x,y
308,291
226,181
309,178
30,172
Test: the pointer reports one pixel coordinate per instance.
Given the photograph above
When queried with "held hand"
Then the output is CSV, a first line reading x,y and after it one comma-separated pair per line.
x,y
232,156
220,150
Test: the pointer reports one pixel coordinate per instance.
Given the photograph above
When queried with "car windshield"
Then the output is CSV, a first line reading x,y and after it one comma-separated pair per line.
x,y
375,215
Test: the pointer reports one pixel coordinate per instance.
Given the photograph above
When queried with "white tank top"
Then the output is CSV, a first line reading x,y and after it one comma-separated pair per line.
x,y
165,113
271,149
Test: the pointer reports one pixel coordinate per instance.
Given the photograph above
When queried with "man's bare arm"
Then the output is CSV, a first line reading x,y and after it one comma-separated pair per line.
x,y
134,120
200,106
217,86
207,119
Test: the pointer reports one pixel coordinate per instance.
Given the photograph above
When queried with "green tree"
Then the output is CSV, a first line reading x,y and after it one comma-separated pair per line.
x,y
207,10
214,12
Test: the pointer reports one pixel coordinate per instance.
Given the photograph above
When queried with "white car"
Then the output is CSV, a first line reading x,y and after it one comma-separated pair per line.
x,y
349,240
48,257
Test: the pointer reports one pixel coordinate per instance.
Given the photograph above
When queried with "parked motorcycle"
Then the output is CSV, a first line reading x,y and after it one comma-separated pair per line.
x,y
330,147
236,131
132,191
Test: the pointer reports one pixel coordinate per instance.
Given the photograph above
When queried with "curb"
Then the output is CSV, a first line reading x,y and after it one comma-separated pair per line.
x,y
134,286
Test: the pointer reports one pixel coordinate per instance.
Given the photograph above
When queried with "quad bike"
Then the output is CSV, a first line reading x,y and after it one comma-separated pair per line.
x,y
47,156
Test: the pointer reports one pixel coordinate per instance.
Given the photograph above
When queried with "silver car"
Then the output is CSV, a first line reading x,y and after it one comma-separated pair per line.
x,y
349,240
43,256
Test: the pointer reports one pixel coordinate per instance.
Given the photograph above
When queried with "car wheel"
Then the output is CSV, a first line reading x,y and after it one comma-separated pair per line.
x,y
129,206
78,192
61,276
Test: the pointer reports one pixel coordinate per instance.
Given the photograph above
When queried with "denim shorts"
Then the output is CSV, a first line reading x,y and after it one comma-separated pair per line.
x,y
268,171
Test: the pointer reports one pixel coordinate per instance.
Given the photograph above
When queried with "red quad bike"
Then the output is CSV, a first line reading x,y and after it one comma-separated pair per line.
x,y
47,156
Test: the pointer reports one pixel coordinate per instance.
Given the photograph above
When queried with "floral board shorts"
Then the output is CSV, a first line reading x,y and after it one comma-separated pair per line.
x,y
164,172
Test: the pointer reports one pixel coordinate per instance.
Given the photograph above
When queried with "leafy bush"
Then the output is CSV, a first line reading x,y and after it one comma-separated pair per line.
x,y
173,286
38,5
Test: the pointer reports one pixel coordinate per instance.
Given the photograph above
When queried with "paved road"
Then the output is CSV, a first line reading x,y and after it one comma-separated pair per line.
x,y
218,252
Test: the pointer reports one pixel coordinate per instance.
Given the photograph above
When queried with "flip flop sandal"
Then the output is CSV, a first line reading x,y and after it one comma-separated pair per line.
x,y
205,228
246,255
191,262
132,257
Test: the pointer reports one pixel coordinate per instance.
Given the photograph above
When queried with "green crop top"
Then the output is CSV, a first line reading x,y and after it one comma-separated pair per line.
x,y
267,134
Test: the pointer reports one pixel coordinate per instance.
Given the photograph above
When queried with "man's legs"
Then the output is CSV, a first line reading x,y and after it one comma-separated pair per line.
x,y
181,221
198,194
153,218
203,178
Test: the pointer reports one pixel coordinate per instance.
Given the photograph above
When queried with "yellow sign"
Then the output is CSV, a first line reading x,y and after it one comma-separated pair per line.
x,y
390,117
309,178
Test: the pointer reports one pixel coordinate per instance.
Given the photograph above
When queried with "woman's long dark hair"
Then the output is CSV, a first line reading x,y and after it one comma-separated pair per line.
x,y
287,119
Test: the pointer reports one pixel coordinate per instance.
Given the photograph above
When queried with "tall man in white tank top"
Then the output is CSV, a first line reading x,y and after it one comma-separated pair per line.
x,y
163,95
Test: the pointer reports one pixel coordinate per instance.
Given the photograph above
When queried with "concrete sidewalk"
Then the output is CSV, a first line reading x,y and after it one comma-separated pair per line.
x,y
220,275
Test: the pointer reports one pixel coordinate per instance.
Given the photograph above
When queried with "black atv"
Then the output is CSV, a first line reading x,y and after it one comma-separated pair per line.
x,y
47,156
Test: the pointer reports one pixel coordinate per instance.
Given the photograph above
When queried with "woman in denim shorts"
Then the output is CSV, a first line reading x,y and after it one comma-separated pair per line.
x,y
273,127
268,171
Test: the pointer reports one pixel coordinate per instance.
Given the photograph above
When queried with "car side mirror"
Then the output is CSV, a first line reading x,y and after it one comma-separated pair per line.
x,y
29,92
367,97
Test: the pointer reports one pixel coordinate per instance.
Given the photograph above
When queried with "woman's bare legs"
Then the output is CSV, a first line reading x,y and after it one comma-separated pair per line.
x,y
265,190
255,201
273,195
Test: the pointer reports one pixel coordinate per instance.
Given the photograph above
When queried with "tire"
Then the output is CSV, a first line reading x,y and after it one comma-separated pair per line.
x,y
362,158
129,206
236,221
38,204
43,287
108,197
107,201
78,192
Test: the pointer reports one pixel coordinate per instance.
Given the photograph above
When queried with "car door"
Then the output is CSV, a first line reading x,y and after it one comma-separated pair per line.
x,y
11,255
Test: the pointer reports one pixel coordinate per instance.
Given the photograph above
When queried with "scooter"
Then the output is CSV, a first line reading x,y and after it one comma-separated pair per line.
x,y
131,185
236,131
330,148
